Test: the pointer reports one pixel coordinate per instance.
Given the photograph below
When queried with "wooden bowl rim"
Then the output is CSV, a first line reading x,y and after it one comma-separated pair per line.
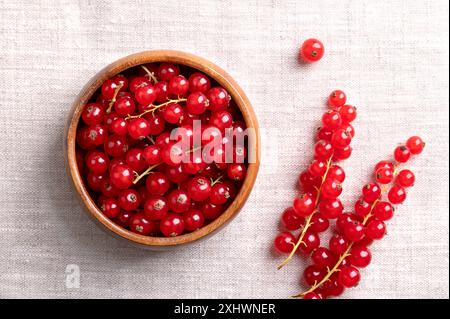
x,y
177,57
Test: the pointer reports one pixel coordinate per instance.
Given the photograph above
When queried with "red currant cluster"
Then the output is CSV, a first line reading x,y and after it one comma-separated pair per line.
x,y
130,155
321,182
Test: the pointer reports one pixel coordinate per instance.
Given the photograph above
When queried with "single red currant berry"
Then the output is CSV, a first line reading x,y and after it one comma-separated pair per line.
x,y
121,176
135,159
141,225
317,168
129,199
156,207
341,138
116,145
110,86
324,133
323,150
138,128
354,231
172,154
193,219
176,174
179,201
97,134
304,205
173,113
312,50
123,219
236,172
167,71
152,155
331,120
92,114
124,106
199,188
198,82
290,220
337,99
323,257
397,195
178,86
109,118
119,126
384,175
405,178
348,113
219,194
384,164
145,95
218,99
196,165
97,162
332,287
360,256
310,242
371,192
349,129
383,211
349,276
137,82
221,119
313,274
331,189
108,189
342,153
319,223
336,173
415,145
338,244
197,103
312,295
95,181
343,220
284,242
157,183
402,154
110,208
308,182
362,208
83,139
211,211
331,208
376,229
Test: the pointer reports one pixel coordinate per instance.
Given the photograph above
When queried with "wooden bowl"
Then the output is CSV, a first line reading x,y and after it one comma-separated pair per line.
x,y
181,58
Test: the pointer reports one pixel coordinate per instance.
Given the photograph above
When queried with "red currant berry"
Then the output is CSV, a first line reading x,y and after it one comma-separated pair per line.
x,y
221,119
218,99
312,295
348,113
97,134
172,154
290,220
157,123
337,99
331,189
362,208
312,50
197,103
121,176
331,208
110,208
341,138
336,173
179,201
384,164
354,231
304,205
92,114
167,71
317,168
324,133
332,287
135,159
109,86
343,220
198,82
349,276
178,86
308,182
405,178
383,211
97,162
323,257
138,82
376,229
338,244
415,145
157,183
145,95
319,223
284,242
397,195
323,150
331,120
176,174
342,153
349,129
108,189
124,106
123,219
219,194
173,113
384,175
199,188
141,225
402,154
313,274
138,128
116,145
310,242
156,207
236,172
360,256
211,211
129,199
371,192
193,219
83,139
119,126
152,155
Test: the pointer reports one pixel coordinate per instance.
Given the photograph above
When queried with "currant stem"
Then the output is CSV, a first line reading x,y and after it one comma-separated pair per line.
x,y
339,262
113,100
308,220
154,108
146,172
214,182
150,74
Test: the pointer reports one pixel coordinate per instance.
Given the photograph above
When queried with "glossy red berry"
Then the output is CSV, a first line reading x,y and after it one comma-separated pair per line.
x,y
141,225
119,126
290,220
371,192
109,86
324,133
110,208
405,178
236,172
92,114
218,99
156,207
220,194
348,113
197,103
178,86
145,95
129,199
198,82
124,106
179,201
343,220
193,219
312,50
108,189
97,134
167,71
337,99
221,119
383,211
317,168
152,155
138,128
341,138
342,153
312,295
319,223
360,256
415,145
336,173
123,219
199,188
375,229
310,242
138,81
397,195
331,189
313,274
173,113
211,211
384,175
349,276
176,174
304,205
135,159
323,150
362,208
354,231
116,145
331,208
157,183
402,154
284,242
384,164
323,257
162,94
97,162
121,176
338,244
331,120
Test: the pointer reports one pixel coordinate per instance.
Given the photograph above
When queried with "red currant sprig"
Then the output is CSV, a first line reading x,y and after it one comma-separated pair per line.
x,y
337,267
321,182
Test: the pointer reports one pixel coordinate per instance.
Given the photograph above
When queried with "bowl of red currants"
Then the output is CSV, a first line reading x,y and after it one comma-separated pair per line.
x,y
162,148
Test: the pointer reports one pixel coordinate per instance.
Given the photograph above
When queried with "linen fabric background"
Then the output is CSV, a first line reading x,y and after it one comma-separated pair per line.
x,y
391,57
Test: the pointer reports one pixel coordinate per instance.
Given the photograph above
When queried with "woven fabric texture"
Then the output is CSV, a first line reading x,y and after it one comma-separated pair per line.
x,y
391,57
